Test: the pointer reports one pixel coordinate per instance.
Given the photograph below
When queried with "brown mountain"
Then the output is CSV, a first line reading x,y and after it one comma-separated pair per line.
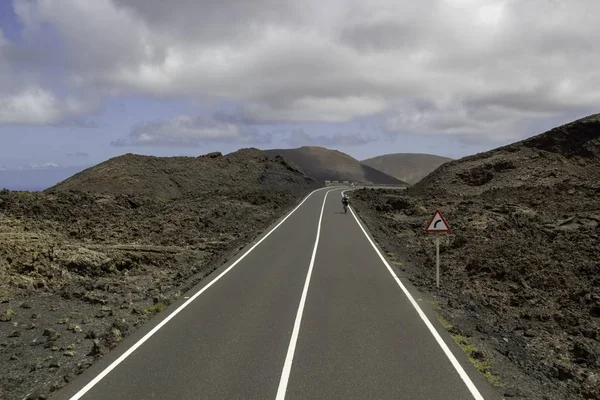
x,y
520,267
175,177
323,164
569,153
408,167
132,230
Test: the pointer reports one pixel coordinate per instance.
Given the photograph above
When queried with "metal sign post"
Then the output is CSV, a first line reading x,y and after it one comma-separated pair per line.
x,y
437,261
437,224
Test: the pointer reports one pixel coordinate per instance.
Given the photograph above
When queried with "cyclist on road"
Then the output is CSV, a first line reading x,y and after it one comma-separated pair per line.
x,y
345,202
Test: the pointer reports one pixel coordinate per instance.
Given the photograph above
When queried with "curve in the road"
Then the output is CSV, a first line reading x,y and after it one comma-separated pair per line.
x,y
311,314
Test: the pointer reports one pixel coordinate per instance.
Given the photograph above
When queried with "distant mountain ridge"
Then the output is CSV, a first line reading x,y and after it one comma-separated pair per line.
x,y
177,177
567,154
324,164
144,174
408,167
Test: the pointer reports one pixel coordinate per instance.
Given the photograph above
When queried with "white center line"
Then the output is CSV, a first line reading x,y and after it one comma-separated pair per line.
x,y
287,366
119,360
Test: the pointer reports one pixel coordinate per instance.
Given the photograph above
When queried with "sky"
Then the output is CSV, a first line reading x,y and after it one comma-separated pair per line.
x,y
84,81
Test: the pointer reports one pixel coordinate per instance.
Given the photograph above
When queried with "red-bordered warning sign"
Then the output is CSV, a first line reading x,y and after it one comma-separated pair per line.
x,y
437,223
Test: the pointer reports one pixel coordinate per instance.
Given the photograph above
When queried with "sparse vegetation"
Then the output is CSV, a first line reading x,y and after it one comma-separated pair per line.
x,y
394,259
23,195
434,304
520,269
475,356
155,308
95,250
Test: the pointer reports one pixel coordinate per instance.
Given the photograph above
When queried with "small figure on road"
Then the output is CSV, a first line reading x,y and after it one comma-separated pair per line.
x,y
345,202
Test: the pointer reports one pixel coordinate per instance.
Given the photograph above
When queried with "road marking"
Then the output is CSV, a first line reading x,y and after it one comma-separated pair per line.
x,y
114,364
470,385
287,366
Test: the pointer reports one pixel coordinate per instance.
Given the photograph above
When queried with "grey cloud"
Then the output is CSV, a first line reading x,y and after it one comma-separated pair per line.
x,y
81,123
185,131
387,34
121,142
24,100
77,154
430,67
32,58
114,40
239,117
207,21
299,137
540,101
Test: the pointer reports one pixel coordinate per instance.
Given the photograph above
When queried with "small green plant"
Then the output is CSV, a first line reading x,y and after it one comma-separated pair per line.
x,y
155,308
564,360
394,260
24,195
445,323
482,365
117,335
434,304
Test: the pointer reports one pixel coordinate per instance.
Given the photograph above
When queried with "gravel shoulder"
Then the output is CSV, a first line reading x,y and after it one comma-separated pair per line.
x,y
79,271
520,276
520,282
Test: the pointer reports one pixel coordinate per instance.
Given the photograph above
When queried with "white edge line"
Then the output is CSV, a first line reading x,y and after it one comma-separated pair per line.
x,y
287,366
470,385
114,364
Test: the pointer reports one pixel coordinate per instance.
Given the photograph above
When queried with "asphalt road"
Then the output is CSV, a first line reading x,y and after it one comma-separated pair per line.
x,y
311,311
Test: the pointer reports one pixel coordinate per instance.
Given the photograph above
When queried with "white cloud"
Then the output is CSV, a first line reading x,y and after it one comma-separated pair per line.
x,y
24,101
456,67
33,105
37,106
45,166
31,167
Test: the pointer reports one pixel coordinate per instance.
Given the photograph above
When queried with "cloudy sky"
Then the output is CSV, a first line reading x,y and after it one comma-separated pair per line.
x,y
82,81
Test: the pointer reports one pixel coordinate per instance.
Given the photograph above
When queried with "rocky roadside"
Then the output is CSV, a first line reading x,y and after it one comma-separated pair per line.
x,y
80,272
520,279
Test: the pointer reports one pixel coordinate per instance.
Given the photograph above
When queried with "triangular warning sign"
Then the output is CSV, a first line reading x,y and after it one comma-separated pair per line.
x,y
437,223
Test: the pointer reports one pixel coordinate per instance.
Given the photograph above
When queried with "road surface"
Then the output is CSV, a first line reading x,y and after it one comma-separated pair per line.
x,y
310,310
